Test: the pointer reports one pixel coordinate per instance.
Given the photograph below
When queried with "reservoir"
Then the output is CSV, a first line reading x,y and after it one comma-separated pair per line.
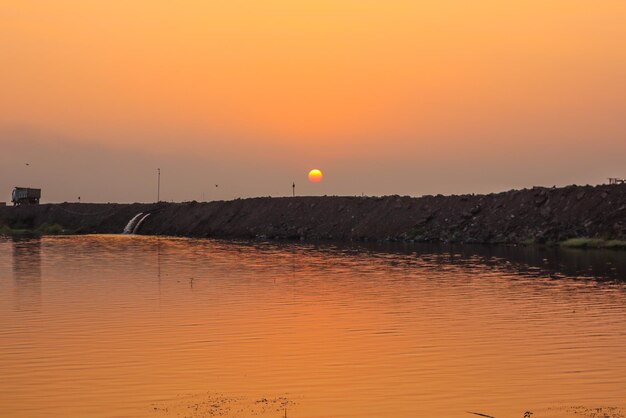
x,y
137,326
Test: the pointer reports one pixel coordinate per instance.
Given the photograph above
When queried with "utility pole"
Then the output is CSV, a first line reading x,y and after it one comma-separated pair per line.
x,y
293,186
158,185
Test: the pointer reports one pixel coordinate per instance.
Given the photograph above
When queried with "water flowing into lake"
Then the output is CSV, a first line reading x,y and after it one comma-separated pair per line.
x,y
130,226
133,326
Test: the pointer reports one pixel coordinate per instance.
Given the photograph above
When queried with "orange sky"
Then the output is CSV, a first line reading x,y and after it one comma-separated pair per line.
x,y
397,96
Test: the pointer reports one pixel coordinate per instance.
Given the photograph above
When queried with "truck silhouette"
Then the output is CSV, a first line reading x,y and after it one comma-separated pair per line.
x,y
25,196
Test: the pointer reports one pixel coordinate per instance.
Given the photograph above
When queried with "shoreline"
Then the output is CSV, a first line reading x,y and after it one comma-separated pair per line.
x,y
529,260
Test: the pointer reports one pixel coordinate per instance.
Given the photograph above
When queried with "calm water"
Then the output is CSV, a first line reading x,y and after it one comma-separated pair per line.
x,y
125,326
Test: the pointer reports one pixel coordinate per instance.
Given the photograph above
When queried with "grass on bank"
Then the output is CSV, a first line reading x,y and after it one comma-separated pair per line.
x,y
44,229
593,243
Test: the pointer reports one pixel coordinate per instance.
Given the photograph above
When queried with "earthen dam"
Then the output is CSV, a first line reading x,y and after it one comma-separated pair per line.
x,y
537,215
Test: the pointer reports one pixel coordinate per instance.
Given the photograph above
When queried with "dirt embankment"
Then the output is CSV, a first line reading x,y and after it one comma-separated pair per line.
x,y
541,215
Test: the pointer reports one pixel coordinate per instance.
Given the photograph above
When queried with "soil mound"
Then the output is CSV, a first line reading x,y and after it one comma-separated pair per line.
x,y
542,215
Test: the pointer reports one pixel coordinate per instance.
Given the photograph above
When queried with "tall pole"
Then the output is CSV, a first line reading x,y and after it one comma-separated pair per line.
x,y
158,185
293,186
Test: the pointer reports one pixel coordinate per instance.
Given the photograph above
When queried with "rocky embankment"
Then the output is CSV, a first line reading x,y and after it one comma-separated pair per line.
x,y
542,215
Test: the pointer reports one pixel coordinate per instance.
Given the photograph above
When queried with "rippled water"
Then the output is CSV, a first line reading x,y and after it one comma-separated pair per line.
x,y
127,326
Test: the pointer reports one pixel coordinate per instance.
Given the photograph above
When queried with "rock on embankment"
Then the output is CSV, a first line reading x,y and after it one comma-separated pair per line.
x,y
538,214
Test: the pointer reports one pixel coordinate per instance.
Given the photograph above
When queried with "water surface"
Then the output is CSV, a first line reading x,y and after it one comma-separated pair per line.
x,y
130,326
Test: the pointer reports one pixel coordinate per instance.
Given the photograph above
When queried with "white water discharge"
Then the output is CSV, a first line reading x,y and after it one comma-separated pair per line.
x,y
136,228
130,226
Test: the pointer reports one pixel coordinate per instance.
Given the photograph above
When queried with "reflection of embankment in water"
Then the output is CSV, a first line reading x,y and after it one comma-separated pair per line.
x,y
534,261
597,265
27,273
529,261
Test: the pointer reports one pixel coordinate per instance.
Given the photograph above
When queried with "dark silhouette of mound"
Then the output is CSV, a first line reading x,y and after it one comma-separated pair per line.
x,y
542,215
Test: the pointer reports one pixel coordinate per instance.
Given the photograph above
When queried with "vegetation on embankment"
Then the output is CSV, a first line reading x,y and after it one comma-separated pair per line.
x,y
539,215
43,229
585,242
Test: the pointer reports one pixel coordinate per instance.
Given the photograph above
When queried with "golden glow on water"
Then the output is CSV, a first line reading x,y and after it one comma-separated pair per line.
x,y
135,326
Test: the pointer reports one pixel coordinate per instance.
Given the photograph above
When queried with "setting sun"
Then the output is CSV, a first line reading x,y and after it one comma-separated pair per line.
x,y
315,176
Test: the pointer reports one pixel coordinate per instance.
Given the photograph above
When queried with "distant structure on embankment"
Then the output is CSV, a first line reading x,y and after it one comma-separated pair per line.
x,y
540,214
616,180
25,196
